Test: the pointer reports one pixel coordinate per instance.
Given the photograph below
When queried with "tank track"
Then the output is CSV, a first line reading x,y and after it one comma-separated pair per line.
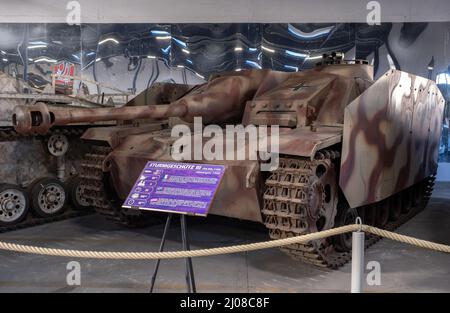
x,y
93,182
287,222
35,221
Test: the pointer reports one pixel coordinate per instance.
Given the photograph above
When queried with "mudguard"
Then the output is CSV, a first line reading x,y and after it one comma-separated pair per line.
x,y
391,137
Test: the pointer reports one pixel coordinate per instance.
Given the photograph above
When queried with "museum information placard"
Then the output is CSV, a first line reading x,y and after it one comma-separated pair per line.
x,y
185,188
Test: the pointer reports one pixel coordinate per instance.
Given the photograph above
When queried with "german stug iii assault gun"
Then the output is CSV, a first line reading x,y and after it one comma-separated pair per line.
x,y
348,146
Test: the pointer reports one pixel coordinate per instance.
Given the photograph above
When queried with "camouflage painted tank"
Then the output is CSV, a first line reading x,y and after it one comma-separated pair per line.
x,y
348,146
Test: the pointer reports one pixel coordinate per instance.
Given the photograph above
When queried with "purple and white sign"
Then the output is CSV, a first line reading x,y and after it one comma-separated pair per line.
x,y
185,188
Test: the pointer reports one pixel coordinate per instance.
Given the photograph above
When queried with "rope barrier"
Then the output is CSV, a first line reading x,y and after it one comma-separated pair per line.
x,y
223,250
406,239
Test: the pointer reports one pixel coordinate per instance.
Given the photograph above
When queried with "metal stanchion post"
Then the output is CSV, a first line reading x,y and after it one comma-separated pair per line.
x,y
357,260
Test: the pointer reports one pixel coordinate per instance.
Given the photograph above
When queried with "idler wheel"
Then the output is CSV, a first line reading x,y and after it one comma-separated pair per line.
x,y
58,145
47,197
13,204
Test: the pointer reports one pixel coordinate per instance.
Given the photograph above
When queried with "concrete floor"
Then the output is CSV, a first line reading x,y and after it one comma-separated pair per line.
x,y
403,268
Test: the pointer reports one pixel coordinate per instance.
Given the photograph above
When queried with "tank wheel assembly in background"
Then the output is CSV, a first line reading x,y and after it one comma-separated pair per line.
x,y
13,204
76,194
58,144
47,197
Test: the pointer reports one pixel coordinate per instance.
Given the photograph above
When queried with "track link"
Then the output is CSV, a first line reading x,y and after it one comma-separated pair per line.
x,y
285,213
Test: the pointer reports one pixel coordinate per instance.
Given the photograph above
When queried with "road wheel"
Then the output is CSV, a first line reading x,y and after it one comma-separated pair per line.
x,y
47,197
395,207
345,216
407,202
13,204
75,194
382,212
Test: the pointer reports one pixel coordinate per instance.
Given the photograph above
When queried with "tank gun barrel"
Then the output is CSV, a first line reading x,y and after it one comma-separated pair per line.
x,y
40,118
221,100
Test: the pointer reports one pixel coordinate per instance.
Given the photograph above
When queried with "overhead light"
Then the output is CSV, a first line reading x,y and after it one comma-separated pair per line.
x,y
296,54
267,49
180,66
185,51
178,41
238,69
443,79
37,46
97,59
108,39
314,34
253,63
3,52
390,62
238,49
189,61
163,37
45,60
314,58
431,64
252,49
151,57
159,32
295,68
37,42
5,60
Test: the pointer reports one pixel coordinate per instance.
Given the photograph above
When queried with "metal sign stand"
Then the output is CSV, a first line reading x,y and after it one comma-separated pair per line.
x,y
190,280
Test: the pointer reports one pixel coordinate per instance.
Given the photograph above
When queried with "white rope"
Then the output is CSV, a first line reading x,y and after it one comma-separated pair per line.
x,y
222,250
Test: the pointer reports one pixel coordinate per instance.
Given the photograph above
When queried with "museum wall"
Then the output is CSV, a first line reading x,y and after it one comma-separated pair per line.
x,y
223,11
132,56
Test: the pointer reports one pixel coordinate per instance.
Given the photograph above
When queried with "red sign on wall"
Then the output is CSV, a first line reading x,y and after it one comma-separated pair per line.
x,y
64,83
